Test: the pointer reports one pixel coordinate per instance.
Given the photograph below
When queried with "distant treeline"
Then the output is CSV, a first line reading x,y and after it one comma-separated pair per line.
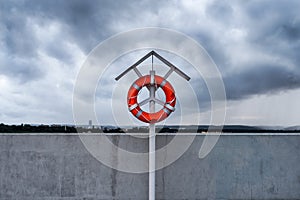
x,y
55,128
27,128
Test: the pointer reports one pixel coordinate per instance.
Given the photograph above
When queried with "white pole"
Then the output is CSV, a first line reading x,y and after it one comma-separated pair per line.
x,y
152,141
152,162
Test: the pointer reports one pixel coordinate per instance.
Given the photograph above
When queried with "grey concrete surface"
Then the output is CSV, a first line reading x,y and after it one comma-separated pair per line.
x,y
58,167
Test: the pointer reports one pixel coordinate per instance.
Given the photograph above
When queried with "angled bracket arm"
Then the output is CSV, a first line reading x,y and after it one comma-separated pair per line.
x,y
173,67
169,73
133,67
138,73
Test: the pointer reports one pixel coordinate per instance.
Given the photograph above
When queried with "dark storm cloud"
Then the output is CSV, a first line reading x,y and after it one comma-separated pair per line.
x,y
18,37
279,36
273,29
83,23
220,11
261,80
280,19
21,70
86,22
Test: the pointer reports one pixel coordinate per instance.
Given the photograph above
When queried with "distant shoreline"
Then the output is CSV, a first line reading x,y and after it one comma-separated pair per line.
x,y
56,128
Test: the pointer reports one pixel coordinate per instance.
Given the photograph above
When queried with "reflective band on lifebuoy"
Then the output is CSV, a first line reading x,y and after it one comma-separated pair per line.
x,y
139,113
163,83
135,108
170,107
136,86
166,111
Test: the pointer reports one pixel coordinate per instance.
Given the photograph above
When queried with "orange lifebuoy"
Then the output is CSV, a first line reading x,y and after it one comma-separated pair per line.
x,y
135,108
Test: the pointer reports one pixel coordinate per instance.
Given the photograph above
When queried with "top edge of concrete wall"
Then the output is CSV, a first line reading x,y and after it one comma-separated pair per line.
x,y
136,134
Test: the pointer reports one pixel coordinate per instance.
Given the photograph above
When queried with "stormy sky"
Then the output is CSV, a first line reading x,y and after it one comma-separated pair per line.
x,y
255,45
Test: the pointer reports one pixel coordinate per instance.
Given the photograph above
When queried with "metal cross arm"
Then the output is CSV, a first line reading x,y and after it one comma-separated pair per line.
x,y
173,68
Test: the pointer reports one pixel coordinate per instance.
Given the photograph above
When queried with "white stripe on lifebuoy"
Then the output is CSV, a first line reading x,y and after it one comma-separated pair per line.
x,y
136,86
166,111
163,83
133,107
139,113
169,107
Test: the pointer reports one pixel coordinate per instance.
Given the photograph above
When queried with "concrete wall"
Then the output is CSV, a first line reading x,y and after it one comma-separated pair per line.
x,y
239,167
